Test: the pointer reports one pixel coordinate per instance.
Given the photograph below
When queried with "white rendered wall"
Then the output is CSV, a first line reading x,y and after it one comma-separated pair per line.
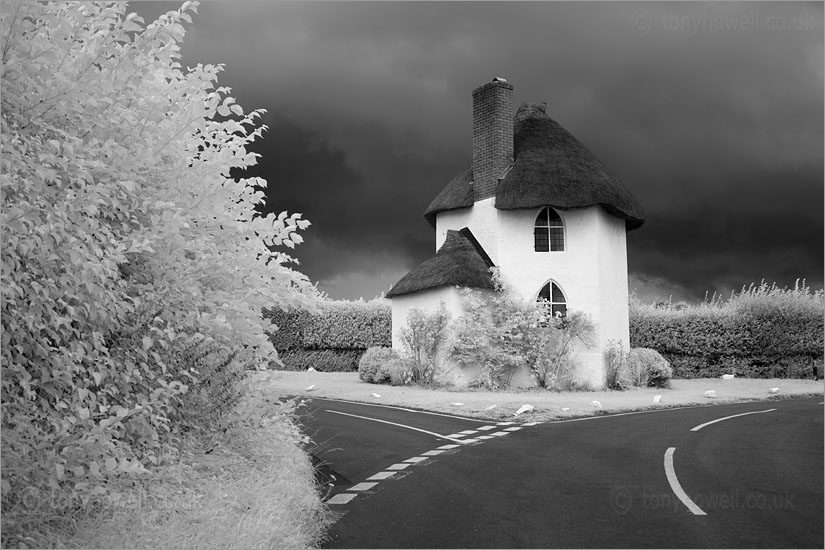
x,y
591,271
429,300
613,280
481,218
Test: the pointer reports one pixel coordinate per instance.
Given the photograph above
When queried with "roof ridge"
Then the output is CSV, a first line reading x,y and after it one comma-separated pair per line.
x,y
465,231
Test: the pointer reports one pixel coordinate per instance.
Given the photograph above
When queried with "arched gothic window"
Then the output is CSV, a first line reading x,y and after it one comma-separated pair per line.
x,y
553,297
548,232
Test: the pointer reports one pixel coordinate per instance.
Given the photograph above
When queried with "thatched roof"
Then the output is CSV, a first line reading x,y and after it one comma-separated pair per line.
x,y
457,194
551,168
461,261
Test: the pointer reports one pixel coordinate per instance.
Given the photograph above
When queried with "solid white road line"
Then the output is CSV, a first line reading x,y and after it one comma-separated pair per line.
x,y
397,424
612,415
700,426
398,408
676,487
342,498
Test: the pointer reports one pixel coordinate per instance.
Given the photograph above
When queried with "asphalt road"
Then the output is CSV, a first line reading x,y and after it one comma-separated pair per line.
x,y
750,481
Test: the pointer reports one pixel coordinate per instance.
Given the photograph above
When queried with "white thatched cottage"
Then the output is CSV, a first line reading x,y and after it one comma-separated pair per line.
x,y
541,207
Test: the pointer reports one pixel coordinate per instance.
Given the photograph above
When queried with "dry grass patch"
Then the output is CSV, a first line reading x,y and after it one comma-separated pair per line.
x,y
253,487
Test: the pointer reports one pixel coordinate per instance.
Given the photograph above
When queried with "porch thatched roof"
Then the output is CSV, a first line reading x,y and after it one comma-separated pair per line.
x,y
461,261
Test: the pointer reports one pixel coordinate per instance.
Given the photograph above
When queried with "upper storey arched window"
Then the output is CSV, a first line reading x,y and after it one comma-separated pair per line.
x,y
548,232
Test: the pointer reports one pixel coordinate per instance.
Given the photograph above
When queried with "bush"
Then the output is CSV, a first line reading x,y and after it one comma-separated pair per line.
x,y
215,387
349,325
422,338
332,325
133,264
616,376
332,337
637,372
322,360
647,367
289,323
501,333
377,365
554,367
400,373
761,332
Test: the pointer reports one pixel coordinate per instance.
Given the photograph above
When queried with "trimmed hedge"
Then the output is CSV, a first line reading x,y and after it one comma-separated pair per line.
x,y
764,332
323,360
332,339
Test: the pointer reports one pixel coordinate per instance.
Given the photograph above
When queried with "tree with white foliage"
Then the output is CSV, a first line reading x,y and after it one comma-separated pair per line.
x,y
121,225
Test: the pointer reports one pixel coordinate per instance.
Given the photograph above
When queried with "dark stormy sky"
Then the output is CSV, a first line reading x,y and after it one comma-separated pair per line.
x,y
710,113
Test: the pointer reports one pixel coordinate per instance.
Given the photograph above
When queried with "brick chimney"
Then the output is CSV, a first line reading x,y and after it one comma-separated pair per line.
x,y
492,135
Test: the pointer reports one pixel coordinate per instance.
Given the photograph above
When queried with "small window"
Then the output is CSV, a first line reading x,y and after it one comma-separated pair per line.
x,y
548,232
553,297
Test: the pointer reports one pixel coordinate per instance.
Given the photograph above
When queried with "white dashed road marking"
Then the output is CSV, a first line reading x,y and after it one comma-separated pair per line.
x,y
700,426
342,498
380,475
676,486
395,424
456,438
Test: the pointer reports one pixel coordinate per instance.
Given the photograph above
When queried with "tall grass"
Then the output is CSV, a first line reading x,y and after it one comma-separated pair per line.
x,y
253,487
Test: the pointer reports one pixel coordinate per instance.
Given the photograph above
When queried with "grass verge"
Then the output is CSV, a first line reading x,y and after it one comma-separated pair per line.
x,y
549,405
251,487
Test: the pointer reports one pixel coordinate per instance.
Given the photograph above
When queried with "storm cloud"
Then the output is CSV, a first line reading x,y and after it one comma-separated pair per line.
x,y
711,114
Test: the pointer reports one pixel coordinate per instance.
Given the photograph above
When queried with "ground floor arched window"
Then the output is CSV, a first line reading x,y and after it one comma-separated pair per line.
x,y
553,296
